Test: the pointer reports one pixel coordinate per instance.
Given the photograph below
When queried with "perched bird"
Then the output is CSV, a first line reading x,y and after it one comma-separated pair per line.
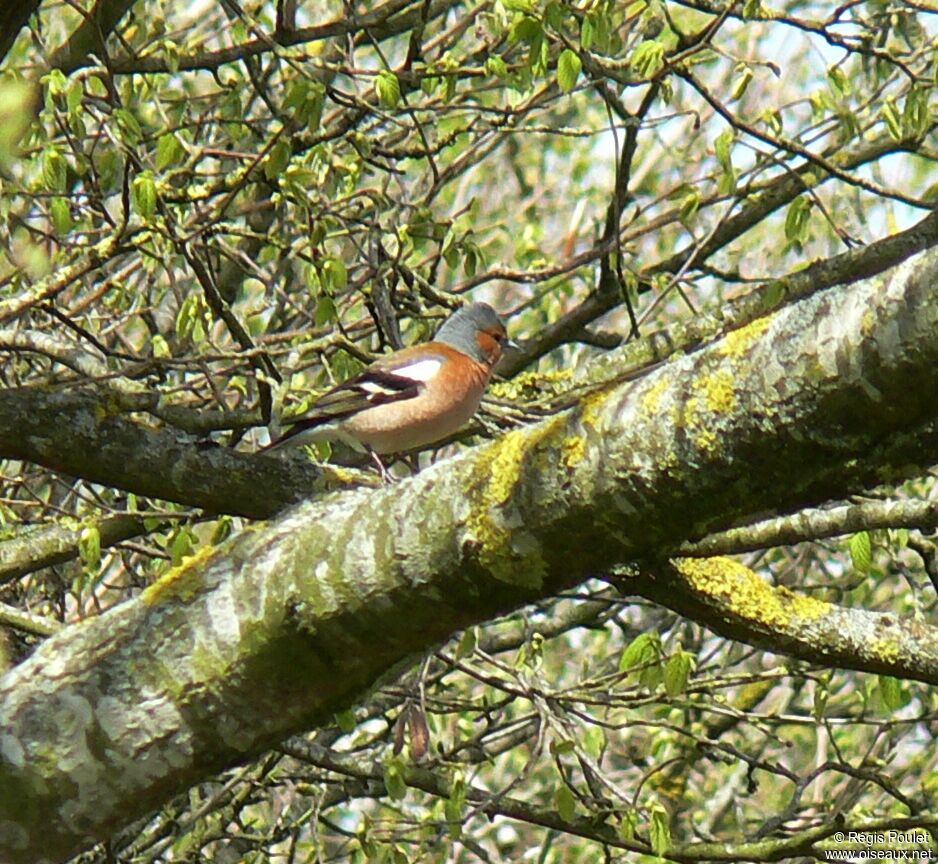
x,y
413,397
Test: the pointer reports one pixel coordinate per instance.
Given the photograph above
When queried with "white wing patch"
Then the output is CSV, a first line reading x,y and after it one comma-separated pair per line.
x,y
422,370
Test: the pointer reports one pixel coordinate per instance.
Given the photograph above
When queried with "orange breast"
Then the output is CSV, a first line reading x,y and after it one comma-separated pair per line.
x,y
440,409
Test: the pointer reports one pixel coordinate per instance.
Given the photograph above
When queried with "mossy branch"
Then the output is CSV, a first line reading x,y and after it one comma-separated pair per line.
x,y
285,624
732,600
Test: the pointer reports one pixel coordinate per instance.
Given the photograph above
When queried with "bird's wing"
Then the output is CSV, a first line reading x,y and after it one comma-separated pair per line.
x,y
395,378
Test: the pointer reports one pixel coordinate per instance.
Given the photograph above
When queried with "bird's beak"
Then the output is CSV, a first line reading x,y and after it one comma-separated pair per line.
x,y
510,343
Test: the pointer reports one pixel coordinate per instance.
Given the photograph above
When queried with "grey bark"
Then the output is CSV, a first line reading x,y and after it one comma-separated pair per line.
x,y
88,433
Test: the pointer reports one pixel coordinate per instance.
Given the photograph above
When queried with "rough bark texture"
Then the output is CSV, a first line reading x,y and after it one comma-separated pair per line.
x,y
286,624
88,434
734,601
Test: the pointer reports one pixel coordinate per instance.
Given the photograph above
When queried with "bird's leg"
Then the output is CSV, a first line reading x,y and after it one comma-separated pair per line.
x,y
385,476
410,460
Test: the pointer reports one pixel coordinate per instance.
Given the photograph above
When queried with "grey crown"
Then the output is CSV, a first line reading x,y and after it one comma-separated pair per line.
x,y
460,329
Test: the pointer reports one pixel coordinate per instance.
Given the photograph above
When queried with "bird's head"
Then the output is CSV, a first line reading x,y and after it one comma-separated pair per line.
x,y
476,330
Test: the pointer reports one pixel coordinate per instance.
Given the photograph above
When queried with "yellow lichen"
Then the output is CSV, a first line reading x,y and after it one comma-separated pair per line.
x,y
573,450
743,593
738,342
341,477
505,466
704,436
497,477
652,398
886,650
714,393
592,402
181,582
718,391
532,384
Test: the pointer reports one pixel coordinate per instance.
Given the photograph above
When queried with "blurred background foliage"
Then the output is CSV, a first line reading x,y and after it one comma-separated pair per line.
x,y
238,204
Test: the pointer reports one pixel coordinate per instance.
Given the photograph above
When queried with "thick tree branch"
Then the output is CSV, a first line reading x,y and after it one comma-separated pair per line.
x,y
735,602
282,626
87,434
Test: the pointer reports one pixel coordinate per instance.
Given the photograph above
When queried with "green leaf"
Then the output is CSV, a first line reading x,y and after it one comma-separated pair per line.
x,y
526,29
169,151
568,70
160,346
129,126
644,648
61,215
388,89
915,113
797,218
690,203
554,15
306,99
467,643
455,806
15,114
565,802
861,552
326,311
892,119
54,169
182,545
56,82
345,721
660,830
741,83
594,741
773,119
647,58
677,672
563,747
723,148
394,780
143,194
495,65
171,55
587,32
89,547
449,87
821,695
890,690
73,96
277,159
629,824
839,79
335,276
189,312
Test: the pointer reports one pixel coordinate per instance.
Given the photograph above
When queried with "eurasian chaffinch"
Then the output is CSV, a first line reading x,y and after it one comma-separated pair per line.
x,y
413,397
